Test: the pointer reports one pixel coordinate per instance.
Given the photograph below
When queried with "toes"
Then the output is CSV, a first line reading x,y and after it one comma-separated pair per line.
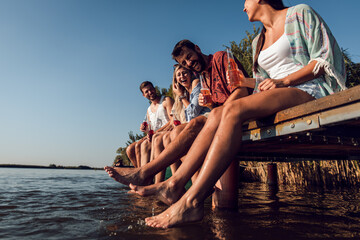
x,y
132,186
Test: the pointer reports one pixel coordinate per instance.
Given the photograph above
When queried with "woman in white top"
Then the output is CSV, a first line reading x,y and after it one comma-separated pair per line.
x,y
306,67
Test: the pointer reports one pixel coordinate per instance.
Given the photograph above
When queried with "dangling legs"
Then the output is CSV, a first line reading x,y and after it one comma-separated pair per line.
x,y
172,153
171,137
223,149
170,190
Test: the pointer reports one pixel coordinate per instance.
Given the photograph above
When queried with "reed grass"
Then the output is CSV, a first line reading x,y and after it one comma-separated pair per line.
x,y
328,173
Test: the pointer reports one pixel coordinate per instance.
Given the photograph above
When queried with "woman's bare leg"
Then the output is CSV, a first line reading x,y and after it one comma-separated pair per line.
x,y
223,149
171,137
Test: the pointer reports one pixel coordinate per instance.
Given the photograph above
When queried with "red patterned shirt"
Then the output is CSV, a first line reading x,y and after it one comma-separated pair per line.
x,y
216,72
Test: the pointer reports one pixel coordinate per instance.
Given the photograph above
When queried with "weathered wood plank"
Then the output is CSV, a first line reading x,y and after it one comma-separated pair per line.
x,y
327,128
338,99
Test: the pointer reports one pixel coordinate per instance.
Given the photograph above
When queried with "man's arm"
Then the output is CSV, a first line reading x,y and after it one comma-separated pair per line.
x,y
240,91
168,104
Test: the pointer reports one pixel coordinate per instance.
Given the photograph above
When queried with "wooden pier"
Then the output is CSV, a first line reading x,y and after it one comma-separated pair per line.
x,y
326,128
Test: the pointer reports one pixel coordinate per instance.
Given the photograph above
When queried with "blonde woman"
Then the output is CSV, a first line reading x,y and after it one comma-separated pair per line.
x,y
186,89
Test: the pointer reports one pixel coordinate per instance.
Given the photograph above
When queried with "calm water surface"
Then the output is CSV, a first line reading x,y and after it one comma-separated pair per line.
x,y
87,204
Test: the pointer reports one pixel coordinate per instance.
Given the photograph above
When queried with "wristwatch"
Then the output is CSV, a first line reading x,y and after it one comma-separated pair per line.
x,y
181,97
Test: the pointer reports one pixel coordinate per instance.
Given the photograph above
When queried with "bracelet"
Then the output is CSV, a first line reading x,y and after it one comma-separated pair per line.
x,y
182,97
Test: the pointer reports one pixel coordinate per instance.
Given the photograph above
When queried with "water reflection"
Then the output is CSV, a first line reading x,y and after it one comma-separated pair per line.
x,y
57,204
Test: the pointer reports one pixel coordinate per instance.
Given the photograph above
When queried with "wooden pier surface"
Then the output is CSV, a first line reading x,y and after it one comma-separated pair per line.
x,y
326,128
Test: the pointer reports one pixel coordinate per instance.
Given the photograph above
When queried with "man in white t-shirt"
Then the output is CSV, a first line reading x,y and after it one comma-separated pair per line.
x,y
158,116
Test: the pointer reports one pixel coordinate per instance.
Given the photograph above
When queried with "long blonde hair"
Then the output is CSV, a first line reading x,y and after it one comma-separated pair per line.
x,y
178,106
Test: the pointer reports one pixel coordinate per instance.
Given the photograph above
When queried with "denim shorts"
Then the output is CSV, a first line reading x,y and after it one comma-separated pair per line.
x,y
310,87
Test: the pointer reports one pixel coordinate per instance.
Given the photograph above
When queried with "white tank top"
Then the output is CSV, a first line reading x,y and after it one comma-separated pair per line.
x,y
277,60
158,118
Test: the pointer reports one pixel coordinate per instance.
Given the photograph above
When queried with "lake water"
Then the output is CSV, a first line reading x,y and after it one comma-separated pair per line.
x,y
87,204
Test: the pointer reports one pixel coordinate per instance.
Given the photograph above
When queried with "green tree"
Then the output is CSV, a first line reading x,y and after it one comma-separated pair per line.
x,y
243,52
122,157
352,70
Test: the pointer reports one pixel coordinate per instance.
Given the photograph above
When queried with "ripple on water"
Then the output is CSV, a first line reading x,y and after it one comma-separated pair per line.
x,y
54,204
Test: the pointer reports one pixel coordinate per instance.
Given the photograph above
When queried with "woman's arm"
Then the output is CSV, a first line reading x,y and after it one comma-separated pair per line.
x,y
303,75
194,109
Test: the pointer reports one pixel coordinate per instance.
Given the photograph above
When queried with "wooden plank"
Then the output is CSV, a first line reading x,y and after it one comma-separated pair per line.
x,y
327,128
338,99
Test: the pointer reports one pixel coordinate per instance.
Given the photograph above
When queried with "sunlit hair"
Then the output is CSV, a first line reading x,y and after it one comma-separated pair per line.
x,y
145,84
277,5
178,106
179,47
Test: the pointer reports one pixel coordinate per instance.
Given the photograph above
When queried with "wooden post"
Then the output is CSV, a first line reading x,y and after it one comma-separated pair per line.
x,y
226,189
272,174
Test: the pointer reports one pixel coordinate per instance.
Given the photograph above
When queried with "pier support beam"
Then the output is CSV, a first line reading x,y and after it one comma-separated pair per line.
x,y
226,189
272,177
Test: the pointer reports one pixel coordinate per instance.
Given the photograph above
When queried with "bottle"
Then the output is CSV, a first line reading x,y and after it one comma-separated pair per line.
x,y
174,115
150,132
234,75
205,92
144,123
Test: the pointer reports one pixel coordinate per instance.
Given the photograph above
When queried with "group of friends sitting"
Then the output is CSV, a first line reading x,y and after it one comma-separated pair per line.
x,y
296,59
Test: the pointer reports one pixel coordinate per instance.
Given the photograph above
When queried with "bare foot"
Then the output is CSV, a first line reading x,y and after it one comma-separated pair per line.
x,y
127,175
180,212
167,191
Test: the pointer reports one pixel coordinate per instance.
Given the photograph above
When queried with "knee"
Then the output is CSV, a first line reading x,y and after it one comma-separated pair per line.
x,y
145,146
157,139
215,114
166,137
130,149
138,146
197,122
234,110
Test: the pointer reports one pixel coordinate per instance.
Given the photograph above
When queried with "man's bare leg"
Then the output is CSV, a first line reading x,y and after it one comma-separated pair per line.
x,y
145,149
130,152
156,149
138,151
174,151
170,190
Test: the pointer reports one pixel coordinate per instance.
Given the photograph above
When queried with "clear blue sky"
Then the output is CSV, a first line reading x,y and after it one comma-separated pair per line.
x,y
70,69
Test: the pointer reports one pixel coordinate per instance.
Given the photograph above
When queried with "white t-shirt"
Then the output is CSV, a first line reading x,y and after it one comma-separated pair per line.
x,y
158,118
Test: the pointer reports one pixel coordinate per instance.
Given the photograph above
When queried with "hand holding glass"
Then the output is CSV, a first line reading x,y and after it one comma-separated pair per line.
x,y
205,91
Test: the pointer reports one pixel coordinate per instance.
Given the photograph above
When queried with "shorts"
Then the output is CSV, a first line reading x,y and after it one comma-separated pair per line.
x,y
311,87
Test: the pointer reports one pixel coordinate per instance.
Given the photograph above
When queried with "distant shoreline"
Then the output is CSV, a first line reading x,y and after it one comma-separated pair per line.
x,y
51,166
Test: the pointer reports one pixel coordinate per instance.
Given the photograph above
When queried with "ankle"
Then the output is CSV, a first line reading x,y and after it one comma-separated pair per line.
x,y
141,173
192,202
173,184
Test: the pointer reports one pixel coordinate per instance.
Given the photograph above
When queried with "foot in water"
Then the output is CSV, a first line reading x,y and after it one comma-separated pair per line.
x,y
167,192
127,175
178,213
